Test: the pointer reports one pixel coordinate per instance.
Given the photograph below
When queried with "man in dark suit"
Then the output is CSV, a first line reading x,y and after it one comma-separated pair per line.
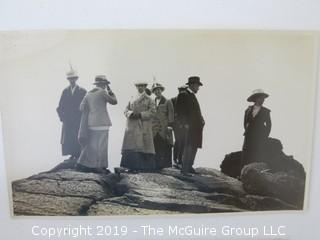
x,y
190,117
70,115
257,125
178,132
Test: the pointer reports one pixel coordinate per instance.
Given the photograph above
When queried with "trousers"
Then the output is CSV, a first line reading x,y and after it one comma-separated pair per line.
x,y
188,156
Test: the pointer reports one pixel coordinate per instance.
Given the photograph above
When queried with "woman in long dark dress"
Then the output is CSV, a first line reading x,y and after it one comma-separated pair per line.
x,y
162,131
257,125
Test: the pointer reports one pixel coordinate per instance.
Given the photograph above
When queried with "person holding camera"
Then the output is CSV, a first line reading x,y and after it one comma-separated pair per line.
x,y
94,128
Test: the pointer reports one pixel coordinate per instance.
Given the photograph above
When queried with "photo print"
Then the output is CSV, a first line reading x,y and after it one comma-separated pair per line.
x,y
145,122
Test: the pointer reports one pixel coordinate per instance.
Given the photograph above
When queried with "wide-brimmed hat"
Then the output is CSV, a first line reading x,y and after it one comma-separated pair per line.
x,y
141,83
257,93
157,85
101,79
72,74
194,79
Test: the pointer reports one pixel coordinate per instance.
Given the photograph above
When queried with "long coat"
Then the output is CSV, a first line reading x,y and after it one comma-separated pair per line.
x,y
138,136
94,152
70,115
257,130
189,112
179,134
163,117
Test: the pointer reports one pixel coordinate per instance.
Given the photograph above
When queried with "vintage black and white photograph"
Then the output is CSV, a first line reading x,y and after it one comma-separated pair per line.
x,y
157,122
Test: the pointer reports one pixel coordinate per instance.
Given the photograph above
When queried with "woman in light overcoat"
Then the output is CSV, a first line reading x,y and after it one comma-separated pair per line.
x,y
138,148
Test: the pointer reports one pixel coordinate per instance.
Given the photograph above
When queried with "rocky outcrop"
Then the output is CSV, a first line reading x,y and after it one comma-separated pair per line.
x,y
258,179
231,164
279,176
64,191
275,158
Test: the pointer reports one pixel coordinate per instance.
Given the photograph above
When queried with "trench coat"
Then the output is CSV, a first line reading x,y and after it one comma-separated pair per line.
x,y
70,115
138,136
257,130
189,112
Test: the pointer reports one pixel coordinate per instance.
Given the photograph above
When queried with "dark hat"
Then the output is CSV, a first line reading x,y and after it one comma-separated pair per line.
x,y
194,79
148,91
101,79
257,93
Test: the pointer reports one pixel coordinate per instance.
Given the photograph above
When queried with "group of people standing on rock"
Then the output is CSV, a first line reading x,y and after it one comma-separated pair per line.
x,y
151,123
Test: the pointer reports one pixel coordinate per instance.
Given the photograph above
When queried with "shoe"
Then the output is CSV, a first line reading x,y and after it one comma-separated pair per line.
x,y
192,170
176,165
82,168
186,174
101,170
106,171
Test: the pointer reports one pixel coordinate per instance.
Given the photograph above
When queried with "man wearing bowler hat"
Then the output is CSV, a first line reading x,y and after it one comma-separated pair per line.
x,y
190,117
70,115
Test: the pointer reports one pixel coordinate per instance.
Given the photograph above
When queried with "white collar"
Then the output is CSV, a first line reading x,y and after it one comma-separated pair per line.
x,y
73,87
190,91
140,94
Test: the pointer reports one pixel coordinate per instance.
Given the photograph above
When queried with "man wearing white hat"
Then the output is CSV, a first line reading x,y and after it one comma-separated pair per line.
x,y
95,124
70,115
257,125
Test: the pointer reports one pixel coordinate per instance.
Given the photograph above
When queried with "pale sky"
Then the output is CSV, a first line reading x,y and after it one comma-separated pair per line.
x,y
230,64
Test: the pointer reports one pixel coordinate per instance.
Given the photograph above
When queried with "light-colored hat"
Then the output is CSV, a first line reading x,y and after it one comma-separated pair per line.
x,y
157,85
183,87
72,74
141,83
101,79
257,93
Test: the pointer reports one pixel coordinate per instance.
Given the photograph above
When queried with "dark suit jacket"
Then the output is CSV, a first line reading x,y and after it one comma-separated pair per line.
x,y
189,112
69,104
70,114
258,127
